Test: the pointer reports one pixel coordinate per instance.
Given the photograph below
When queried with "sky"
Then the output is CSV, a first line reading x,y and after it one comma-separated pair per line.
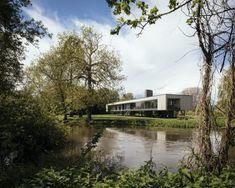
x,y
163,58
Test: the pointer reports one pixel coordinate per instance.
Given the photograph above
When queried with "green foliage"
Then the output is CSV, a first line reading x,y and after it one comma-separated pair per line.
x,y
54,79
225,92
85,176
73,74
25,130
16,30
102,97
115,120
127,96
148,15
173,4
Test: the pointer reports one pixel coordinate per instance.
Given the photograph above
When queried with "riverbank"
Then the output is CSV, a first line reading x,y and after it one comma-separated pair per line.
x,y
115,120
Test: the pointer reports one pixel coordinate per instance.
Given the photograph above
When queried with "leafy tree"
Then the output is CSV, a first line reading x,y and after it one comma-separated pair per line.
x,y
223,93
16,31
104,96
57,73
227,104
127,96
101,66
74,70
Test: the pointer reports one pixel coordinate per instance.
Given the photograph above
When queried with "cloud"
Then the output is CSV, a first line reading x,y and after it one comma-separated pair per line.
x,y
54,26
150,60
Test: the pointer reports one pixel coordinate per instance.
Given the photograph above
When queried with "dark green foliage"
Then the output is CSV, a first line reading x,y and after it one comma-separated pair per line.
x,y
16,30
102,97
85,176
25,130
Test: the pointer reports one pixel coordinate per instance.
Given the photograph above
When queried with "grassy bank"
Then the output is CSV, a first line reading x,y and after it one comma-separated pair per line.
x,y
115,120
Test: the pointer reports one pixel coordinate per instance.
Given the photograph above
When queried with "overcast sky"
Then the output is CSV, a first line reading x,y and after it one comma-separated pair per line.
x,y
162,58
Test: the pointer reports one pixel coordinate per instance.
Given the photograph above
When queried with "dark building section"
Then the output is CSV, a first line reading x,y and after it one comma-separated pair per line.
x,y
148,93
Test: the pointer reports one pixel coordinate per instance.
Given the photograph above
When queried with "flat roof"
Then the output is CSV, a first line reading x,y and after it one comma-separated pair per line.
x,y
144,99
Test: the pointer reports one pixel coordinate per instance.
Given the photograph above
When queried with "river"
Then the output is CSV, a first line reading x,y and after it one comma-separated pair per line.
x,y
133,146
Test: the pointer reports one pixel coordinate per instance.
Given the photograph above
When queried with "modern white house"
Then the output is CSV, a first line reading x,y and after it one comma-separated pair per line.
x,y
164,105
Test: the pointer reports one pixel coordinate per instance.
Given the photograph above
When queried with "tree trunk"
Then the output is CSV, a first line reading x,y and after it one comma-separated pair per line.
x,y
63,103
89,84
229,116
205,124
89,114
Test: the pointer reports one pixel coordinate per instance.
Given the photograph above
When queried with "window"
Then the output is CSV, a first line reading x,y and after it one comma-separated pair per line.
x,y
173,104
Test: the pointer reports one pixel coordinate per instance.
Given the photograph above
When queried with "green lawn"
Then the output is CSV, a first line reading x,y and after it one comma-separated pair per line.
x,y
117,120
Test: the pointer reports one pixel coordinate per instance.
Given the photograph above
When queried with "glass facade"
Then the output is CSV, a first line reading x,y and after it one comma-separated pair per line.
x,y
138,105
173,104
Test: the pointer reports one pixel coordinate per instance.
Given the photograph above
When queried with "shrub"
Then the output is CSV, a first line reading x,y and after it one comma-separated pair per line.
x,y
25,130
143,177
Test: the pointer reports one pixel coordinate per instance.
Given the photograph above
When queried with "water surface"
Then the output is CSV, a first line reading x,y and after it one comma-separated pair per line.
x,y
134,146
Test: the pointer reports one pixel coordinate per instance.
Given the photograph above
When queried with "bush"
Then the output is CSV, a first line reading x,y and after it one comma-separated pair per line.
x,y
25,130
85,176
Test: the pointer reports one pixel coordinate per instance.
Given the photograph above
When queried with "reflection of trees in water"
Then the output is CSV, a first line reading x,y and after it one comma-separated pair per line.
x,y
108,142
170,135
78,137
140,132
184,136
132,146
129,131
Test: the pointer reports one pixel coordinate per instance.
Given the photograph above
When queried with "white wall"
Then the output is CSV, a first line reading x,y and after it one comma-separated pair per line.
x,y
161,103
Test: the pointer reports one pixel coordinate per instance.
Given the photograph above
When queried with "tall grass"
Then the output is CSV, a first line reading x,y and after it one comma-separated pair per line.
x,y
113,120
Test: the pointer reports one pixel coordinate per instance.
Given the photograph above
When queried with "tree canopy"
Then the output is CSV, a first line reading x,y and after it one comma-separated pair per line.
x,y
76,73
16,31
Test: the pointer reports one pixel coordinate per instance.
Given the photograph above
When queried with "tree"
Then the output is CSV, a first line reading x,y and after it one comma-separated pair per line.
x,y
127,96
57,73
16,31
227,104
102,97
26,131
75,69
211,21
224,92
195,92
101,66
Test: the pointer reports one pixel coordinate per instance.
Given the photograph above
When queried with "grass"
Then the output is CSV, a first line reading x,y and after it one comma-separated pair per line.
x,y
115,120
118,120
